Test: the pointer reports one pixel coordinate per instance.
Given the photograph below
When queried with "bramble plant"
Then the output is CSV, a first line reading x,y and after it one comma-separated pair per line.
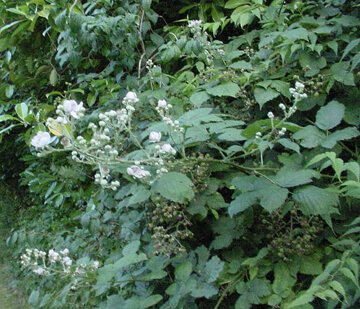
x,y
208,161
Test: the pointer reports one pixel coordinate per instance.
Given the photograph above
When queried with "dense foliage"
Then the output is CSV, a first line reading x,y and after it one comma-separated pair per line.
x,y
192,155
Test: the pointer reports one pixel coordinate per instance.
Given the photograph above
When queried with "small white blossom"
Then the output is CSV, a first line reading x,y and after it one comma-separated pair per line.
x,y
96,264
131,97
258,135
39,271
137,172
73,108
282,131
282,106
65,251
167,148
155,136
162,104
67,261
270,115
53,256
299,86
41,140
194,23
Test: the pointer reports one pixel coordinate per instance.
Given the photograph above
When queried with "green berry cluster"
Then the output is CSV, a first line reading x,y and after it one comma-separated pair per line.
x,y
291,235
169,225
199,173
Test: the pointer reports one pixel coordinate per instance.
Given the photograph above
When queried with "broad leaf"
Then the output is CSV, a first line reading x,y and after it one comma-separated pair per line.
x,y
340,135
228,89
330,115
175,187
310,136
315,201
264,95
289,178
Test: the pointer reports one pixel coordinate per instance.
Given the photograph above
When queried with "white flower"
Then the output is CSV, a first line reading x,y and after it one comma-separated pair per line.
x,y
155,136
258,135
162,103
96,264
65,251
67,261
270,115
282,131
167,148
299,86
137,172
41,140
282,106
73,108
39,271
131,97
194,23
53,256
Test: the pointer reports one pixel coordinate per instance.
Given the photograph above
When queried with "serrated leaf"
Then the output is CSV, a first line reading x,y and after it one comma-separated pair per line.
x,y
198,116
272,197
213,268
242,202
264,95
315,201
339,135
198,98
301,300
183,271
284,280
251,292
289,178
289,144
129,259
330,115
150,301
310,136
310,265
228,89
175,187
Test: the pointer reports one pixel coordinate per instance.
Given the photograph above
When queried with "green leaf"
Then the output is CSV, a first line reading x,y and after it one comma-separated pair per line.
x,y
310,136
9,90
264,95
284,279
310,265
242,202
315,201
130,259
213,269
290,178
175,187
183,271
330,115
340,135
312,64
341,74
142,194
53,78
22,110
301,300
272,197
289,144
228,89
131,248
198,98
34,298
150,301
198,116
251,293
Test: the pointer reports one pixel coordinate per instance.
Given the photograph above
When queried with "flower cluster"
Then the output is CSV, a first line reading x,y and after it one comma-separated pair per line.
x,y
53,262
298,92
195,27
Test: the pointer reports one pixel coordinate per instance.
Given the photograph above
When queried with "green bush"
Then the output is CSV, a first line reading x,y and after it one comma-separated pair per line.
x,y
174,168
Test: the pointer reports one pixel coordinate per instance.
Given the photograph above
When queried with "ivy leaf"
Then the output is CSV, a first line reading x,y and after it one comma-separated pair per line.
x,y
175,187
330,115
316,201
340,135
228,89
310,136
264,95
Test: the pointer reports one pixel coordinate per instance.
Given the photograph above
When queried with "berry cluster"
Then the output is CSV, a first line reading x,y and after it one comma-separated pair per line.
x,y
291,235
169,225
